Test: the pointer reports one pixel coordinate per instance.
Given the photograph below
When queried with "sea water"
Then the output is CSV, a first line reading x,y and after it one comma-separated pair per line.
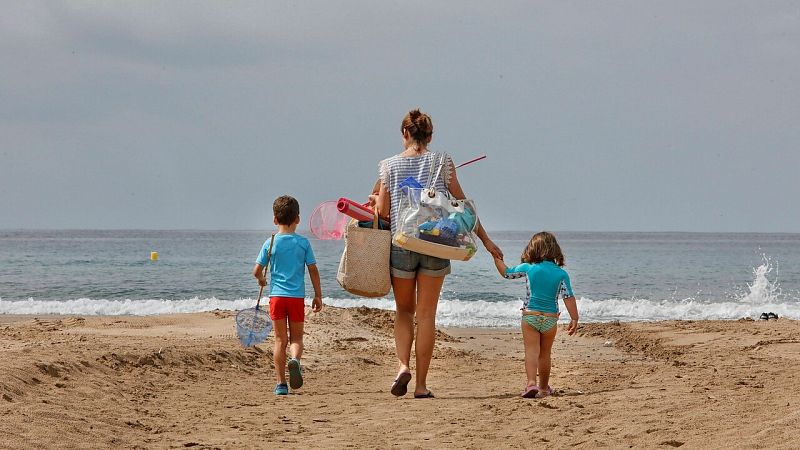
x,y
615,276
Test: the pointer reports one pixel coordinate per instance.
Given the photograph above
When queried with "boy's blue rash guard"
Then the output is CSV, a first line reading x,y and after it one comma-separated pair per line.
x,y
546,282
291,253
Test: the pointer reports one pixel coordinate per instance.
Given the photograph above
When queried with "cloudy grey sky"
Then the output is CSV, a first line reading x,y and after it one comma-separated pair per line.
x,y
613,115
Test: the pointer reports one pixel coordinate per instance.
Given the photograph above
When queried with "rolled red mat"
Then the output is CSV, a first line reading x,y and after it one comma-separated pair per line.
x,y
355,210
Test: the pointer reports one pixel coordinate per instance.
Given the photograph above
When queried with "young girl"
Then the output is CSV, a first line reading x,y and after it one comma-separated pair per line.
x,y
547,281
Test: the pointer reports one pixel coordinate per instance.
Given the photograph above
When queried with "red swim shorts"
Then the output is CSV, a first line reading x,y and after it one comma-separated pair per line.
x,y
292,307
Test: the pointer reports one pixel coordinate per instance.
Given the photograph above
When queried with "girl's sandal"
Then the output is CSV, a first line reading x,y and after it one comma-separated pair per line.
x,y
530,391
545,392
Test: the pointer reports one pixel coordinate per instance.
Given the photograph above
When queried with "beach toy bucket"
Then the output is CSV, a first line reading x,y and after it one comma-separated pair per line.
x,y
253,326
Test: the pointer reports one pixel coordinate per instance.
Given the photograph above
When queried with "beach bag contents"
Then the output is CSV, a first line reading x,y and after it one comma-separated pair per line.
x,y
364,266
432,222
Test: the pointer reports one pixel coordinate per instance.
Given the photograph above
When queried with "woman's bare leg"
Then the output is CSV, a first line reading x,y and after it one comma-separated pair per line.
x,y
428,290
405,297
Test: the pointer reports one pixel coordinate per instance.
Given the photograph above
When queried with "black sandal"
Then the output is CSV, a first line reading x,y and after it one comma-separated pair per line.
x,y
400,385
428,394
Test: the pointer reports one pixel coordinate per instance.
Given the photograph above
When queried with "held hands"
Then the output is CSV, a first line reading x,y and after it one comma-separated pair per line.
x,y
493,249
572,327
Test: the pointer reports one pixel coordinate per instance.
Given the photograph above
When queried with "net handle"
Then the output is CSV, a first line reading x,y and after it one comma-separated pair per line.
x,y
266,266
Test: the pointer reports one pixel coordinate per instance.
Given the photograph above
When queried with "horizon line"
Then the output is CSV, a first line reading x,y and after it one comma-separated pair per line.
x,y
307,230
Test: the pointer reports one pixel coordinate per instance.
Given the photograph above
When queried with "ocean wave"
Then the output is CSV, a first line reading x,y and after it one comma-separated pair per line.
x,y
451,313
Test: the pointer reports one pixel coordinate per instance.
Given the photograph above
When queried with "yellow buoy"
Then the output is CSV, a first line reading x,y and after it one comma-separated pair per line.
x,y
153,256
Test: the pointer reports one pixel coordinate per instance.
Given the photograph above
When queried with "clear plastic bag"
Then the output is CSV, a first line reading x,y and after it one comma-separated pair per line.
x,y
433,223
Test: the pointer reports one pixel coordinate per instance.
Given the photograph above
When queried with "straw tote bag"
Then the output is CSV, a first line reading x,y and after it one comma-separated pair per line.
x,y
364,267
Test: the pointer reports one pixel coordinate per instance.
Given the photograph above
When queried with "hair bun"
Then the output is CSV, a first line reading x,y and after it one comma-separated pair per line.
x,y
418,125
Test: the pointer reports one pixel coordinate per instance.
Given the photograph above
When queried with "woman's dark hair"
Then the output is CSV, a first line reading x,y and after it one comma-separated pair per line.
x,y
543,247
419,127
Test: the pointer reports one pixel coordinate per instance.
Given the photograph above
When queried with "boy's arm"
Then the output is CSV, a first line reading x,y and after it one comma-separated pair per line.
x,y
258,272
313,272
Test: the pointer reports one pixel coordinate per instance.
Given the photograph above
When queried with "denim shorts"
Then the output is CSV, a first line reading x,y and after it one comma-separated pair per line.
x,y
407,264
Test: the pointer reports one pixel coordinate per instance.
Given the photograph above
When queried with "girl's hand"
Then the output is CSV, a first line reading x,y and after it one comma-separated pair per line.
x,y
572,327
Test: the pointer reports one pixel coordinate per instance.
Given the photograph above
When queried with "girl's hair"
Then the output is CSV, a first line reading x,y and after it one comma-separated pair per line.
x,y
543,247
419,127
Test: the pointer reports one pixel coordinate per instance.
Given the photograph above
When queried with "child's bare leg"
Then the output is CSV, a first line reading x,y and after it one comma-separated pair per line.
x,y
545,345
296,339
531,339
279,350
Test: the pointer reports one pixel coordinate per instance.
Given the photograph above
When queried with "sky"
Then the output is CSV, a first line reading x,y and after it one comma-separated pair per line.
x,y
594,116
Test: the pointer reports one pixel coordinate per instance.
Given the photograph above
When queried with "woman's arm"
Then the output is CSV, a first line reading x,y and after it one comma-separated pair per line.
x,y
383,202
373,196
455,189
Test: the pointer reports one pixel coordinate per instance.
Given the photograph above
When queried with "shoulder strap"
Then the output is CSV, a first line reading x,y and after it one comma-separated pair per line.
x,y
432,178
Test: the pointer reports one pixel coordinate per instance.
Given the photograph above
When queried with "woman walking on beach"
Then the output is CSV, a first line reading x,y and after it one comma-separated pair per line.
x,y
416,278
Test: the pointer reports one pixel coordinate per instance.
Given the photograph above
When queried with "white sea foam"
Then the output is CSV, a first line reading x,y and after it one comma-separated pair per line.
x,y
762,295
93,307
450,313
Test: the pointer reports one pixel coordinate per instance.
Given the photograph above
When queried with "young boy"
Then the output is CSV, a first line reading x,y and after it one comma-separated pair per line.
x,y
290,254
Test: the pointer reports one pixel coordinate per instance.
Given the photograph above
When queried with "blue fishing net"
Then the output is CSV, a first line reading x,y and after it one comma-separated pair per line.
x,y
253,326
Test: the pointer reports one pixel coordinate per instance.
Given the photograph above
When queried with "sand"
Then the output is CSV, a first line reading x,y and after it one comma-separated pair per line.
x,y
183,381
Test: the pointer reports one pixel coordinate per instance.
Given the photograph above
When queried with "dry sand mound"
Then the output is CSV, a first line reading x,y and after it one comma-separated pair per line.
x,y
184,381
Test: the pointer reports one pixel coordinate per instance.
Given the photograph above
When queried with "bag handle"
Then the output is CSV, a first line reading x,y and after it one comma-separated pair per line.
x,y
376,222
432,178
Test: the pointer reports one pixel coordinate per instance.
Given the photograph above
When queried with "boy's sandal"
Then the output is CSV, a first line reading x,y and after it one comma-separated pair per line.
x,y
295,374
281,389
428,394
530,391
400,385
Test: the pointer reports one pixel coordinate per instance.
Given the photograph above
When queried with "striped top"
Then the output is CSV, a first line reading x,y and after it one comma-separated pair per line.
x,y
394,170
